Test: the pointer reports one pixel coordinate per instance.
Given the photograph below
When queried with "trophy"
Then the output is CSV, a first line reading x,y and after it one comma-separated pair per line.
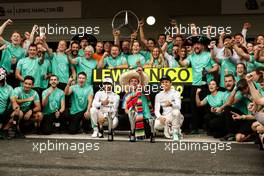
x,y
126,21
132,119
110,117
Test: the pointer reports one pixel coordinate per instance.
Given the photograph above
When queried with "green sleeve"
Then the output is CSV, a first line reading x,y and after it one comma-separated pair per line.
x,y
36,98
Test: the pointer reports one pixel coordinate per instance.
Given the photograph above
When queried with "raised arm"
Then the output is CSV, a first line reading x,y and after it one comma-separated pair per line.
x,y
116,34
254,92
241,53
68,90
141,33
246,26
2,28
221,40
32,34
199,103
101,62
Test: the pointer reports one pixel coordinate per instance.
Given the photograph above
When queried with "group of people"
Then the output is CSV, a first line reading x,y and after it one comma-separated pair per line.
x,y
43,85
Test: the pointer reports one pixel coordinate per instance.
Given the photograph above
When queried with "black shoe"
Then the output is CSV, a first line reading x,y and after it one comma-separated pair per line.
x,y
152,138
132,137
228,137
101,133
19,135
110,136
195,131
260,142
4,134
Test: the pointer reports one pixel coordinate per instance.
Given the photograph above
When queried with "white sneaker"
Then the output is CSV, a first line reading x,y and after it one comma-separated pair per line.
x,y
166,132
95,133
175,136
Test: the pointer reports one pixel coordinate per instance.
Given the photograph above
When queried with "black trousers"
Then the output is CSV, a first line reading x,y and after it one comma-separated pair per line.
x,y
196,120
5,117
215,124
236,126
47,123
75,122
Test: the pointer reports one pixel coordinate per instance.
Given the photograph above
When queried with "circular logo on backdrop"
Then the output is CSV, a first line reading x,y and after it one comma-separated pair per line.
x,y
126,22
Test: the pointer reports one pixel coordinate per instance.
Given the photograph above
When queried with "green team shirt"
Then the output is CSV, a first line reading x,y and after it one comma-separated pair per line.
x,y
124,55
237,78
198,62
87,66
113,62
60,67
226,64
132,60
258,64
261,90
81,53
54,100
226,95
79,98
6,92
45,68
250,64
7,54
170,48
146,54
19,93
242,104
30,66
215,100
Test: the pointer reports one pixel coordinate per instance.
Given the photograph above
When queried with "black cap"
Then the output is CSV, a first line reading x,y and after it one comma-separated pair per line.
x,y
198,39
90,38
242,84
165,77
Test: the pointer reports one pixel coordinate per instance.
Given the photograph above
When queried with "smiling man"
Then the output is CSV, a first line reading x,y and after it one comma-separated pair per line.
x,y
81,101
29,105
53,102
171,119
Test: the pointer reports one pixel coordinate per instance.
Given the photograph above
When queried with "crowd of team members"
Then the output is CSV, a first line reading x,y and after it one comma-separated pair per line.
x,y
227,76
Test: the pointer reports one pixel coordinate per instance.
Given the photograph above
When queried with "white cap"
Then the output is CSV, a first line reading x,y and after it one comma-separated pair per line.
x,y
108,80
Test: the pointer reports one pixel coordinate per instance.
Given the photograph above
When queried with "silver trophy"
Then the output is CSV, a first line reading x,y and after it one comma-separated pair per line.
x,y
110,117
132,114
151,124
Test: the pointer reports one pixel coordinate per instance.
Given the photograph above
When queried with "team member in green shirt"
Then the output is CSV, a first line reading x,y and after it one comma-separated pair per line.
x,y
238,118
202,68
31,66
53,103
81,101
115,60
29,104
85,64
45,67
135,59
215,100
12,53
60,64
5,102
